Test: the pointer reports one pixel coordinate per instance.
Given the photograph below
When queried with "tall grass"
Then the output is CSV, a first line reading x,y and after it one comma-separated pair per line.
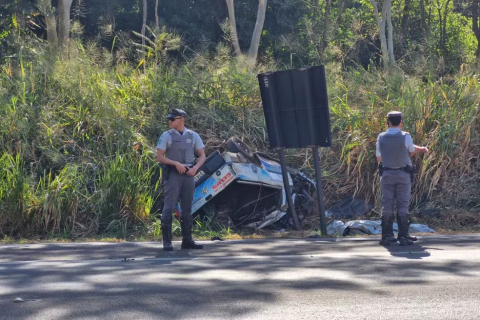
x,y
15,194
442,115
78,135
124,196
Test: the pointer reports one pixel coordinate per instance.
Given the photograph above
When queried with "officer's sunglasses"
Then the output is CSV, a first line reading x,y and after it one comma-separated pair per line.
x,y
173,118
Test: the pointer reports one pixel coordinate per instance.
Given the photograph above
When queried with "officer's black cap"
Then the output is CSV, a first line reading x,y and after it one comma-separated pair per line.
x,y
394,114
176,113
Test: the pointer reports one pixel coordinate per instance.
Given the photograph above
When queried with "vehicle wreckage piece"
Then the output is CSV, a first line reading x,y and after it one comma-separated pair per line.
x,y
251,188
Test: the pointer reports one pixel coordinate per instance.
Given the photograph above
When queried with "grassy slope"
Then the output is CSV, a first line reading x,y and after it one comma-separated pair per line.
x,y
78,138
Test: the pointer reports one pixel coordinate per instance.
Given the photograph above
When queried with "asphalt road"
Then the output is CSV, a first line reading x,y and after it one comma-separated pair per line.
x,y
438,278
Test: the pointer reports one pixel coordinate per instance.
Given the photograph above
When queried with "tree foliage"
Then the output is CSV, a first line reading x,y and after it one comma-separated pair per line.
x,y
294,32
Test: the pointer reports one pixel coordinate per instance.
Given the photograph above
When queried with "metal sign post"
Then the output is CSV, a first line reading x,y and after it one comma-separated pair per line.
x,y
288,192
318,178
295,105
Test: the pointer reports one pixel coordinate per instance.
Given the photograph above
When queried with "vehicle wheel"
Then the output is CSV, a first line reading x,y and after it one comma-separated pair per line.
x,y
236,145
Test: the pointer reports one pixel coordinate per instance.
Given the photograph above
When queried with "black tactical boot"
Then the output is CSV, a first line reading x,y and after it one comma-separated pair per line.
x,y
403,231
191,244
387,231
405,242
412,238
393,239
408,236
167,237
188,242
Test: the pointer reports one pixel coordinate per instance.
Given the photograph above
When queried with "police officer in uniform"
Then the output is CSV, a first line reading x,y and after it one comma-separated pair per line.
x,y
176,151
394,150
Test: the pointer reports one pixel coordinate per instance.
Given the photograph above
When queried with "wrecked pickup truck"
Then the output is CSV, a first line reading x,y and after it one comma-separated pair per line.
x,y
242,188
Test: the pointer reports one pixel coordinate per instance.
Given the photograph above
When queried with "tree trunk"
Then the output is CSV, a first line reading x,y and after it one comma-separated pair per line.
x,y
64,7
423,15
52,38
315,10
442,17
429,19
445,15
51,23
340,15
476,26
381,26
404,26
388,16
325,29
156,15
144,23
439,11
335,29
257,32
233,27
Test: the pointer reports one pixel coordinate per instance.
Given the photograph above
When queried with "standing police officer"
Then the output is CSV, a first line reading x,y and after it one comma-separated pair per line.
x,y
394,150
176,150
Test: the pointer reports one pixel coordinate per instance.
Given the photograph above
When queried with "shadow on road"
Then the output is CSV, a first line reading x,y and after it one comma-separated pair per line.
x,y
415,252
185,284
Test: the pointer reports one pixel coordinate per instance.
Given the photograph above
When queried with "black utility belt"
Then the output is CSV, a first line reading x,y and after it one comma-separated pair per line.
x,y
174,169
169,168
407,169
185,165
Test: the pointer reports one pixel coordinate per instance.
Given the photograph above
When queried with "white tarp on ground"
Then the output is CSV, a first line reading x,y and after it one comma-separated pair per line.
x,y
362,227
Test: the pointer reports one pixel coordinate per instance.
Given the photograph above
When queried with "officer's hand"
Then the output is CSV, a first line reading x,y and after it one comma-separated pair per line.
x,y
192,172
180,168
424,150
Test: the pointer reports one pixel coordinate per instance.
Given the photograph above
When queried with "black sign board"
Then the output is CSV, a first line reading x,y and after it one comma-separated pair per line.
x,y
295,105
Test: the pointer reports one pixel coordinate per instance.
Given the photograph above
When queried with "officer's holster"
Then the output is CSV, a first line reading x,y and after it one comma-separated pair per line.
x,y
165,173
411,171
380,169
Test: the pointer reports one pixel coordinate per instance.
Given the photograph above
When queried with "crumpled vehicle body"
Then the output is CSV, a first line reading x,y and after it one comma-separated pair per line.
x,y
246,189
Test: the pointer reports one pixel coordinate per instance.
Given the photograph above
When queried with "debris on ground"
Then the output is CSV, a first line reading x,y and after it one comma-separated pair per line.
x,y
349,208
368,227
336,227
420,228
361,227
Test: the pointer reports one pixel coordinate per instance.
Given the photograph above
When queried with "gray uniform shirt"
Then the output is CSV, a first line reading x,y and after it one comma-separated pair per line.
x,y
408,142
165,141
